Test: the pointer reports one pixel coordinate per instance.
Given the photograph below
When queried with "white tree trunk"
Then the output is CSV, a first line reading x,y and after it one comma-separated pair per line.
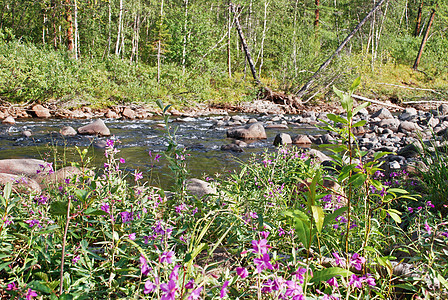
x,y
120,26
184,46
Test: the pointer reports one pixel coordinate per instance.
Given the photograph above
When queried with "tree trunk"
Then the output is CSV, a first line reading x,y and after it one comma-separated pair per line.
x,y
159,44
425,37
419,19
246,49
316,14
263,37
120,26
305,87
184,46
76,31
55,31
70,41
229,27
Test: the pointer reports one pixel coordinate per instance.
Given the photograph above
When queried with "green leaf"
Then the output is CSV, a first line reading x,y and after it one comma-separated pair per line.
x,y
331,217
160,104
359,107
303,232
406,286
347,104
357,180
94,212
355,84
166,108
40,287
380,154
337,119
7,190
319,216
395,214
442,280
397,190
82,195
359,123
58,208
328,273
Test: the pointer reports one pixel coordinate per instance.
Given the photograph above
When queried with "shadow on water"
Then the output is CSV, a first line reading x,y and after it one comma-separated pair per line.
x,y
137,139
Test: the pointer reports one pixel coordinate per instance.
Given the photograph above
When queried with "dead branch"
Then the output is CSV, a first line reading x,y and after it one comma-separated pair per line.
x,y
376,102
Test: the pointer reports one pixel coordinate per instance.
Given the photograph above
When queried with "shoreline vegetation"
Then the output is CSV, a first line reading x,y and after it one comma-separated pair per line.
x,y
284,226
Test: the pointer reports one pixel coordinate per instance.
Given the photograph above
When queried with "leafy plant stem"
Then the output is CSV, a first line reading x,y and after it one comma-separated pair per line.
x,y
64,241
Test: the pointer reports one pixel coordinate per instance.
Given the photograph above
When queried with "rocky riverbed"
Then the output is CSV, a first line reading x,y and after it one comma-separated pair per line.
x,y
216,133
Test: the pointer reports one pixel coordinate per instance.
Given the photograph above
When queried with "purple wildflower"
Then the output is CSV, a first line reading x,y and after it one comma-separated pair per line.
x,y
355,281
30,294
260,247
333,282
357,261
263,263
196,294
11,286
369,280
167,257
122,161
127,217
410,210
190,284
224,289
268,286
264,234
137,175
76,259
144,266
294,290
132,236
428,228
149,287
338,259
175,273
169,289
242,272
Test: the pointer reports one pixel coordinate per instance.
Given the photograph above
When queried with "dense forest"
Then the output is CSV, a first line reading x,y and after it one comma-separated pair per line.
x,y
183,50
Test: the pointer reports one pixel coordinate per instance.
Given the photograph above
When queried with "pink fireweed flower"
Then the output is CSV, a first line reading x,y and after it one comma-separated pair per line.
x,y
355,281
264,234
175,273
30,294
11,286
169,289
268,286
76,259
132,236
263,263
223,292
294,290
281,231
242,272
105,207
357,261
144,266
428,228
167,257
369,279
137,175
338,259
333,282
190,284
122,161
196,294
149,287
260,247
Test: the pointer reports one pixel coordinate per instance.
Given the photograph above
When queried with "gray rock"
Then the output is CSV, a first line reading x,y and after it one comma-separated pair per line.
x,y
252,131
442,110
110,114
20,184
408,114
392,124
324,139
432,122
9,120
240,143
24,166
251,121
232,147
27,133
318,155
408,126
96,127
383,113
129,113
199,188
67,131
282,139
301,139
277,126
394,165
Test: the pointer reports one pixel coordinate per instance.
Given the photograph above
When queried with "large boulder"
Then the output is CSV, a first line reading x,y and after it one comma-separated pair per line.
x,y
301,139
199,188
20,184
40,111
282,139
9,120
96,127
252,131
24,166
59,176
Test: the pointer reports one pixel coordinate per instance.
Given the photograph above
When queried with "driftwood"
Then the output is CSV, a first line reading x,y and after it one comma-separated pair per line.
x,y
305,87
376,102
425,101
410,88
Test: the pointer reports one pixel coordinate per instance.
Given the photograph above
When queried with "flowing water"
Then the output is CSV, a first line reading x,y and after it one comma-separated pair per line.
x,y
137,138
